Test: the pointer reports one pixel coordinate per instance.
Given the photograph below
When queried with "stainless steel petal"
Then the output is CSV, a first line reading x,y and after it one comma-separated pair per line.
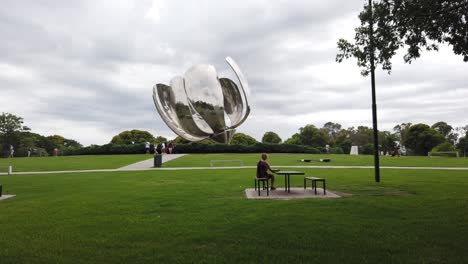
x,y
242,91
233,105
188,119
166,103
224,137
205,96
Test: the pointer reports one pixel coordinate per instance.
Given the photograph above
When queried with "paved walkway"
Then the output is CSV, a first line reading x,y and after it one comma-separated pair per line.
x,y
296,193
145,168
7,196
148,164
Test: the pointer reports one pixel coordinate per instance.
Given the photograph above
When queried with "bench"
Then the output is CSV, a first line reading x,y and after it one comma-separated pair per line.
x,y
314,181
257,185
212,162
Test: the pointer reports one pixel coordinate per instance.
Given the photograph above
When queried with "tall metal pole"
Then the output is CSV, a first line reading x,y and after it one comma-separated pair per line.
x,y
374,105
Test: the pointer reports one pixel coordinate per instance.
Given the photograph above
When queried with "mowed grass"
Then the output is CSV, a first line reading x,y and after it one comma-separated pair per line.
x,y
203,160
278,159
86,162
202,216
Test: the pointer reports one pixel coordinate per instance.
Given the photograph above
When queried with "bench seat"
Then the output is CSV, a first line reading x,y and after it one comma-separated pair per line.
x,y
257,185
314,181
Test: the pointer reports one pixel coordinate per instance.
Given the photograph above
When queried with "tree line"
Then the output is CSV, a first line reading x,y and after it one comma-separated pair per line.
x,y
415,139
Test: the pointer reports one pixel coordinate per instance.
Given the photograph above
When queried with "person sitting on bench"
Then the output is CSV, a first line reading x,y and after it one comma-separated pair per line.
x,y
262,170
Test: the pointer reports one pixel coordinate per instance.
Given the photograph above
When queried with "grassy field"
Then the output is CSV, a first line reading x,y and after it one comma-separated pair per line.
x,y
202,217
73,162
203,160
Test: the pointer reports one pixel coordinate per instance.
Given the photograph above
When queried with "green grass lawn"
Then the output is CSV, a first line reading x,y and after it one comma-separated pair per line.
x,y
201,216
73,162
203,160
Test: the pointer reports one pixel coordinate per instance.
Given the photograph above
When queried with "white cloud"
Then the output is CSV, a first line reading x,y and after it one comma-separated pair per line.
x,y
85,69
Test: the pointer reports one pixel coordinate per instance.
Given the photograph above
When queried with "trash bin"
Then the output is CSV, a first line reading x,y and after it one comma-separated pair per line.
x,y
157,160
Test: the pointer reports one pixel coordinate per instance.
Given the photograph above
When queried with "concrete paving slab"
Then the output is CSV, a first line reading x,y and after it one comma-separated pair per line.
x,y
7,196
296,193
146,164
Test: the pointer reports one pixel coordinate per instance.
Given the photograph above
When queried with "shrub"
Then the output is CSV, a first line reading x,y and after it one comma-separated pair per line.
x,y
336,150
191,148
257,148
104,149
446,146
367,149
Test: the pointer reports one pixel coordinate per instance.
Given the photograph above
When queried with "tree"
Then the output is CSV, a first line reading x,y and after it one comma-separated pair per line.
x,y
57,140
343,141
463,145
387,141
312,136
72,143
271,137
446,130
416,24
332,129
177,140
161,139
243,139
360,136
421,139
133,136
294,140
401,131
445,146
10,126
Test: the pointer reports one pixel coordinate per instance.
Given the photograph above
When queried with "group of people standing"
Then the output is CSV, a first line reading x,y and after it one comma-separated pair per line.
x,y
161,148
30,152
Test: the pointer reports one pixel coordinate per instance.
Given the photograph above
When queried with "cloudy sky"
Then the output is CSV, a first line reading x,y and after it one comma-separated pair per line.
x,y
85,69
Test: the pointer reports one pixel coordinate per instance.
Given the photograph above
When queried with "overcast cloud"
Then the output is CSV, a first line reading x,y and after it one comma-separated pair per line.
x,y
85,69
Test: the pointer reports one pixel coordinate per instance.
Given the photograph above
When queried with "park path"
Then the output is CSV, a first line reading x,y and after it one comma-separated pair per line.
x,y
243,167
148,164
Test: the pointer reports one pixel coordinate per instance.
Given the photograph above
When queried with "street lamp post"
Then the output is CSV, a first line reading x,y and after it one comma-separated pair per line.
x,y
374,105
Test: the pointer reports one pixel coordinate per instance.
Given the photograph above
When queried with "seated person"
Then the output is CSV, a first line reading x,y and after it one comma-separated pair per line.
x,y
262,170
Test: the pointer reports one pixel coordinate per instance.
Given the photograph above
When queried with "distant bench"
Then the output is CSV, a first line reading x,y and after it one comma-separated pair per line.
x,y
212,162
314,181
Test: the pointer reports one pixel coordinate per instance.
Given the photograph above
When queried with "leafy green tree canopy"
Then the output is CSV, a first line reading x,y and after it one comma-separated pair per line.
x,y
415,24
243,139
462,145
161,139
294,140
57,140
311,136
401,132
361,136
421,139
10,125
271,137
332,129
135,136
446,130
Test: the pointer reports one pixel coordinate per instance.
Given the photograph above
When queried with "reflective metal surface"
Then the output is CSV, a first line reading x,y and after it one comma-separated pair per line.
x,y
194,106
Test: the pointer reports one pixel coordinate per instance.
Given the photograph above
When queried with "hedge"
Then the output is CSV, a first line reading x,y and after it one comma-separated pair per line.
x,y
190,148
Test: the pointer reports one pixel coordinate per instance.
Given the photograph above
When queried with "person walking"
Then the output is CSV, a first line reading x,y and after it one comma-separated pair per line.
x,y
147,147
12,151
170,147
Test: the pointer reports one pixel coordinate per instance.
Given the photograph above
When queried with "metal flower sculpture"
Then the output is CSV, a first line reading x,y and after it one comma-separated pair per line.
x,y
194,106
